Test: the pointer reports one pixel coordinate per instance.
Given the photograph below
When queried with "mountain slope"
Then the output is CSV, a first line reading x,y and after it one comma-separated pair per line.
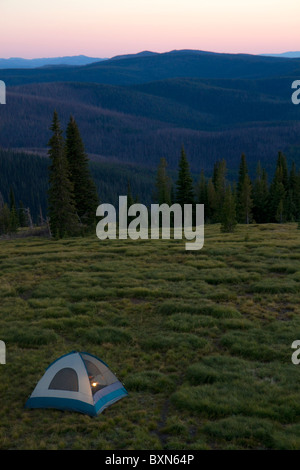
x,y
288,55
146,68
19,63
28,175
139,124
141,107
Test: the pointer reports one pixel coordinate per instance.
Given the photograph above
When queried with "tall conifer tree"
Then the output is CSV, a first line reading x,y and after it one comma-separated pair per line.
x,y
202,189
210,209
294,195
14,219
279,190
244,194
202,194
184,184
219,183
260,195
228,217
162,184
22,215
85,194
61,206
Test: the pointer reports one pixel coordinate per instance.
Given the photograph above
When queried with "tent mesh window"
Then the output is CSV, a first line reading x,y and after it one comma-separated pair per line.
x,y
99,377
65,379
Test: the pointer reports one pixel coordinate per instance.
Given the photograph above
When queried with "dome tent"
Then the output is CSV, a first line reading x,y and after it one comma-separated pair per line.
x,y
77,381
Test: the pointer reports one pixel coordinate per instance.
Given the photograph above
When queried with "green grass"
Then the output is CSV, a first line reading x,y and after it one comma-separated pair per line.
x,y
201,340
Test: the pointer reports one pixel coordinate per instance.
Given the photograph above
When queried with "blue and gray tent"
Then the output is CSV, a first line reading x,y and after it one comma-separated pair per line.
x,y
77,381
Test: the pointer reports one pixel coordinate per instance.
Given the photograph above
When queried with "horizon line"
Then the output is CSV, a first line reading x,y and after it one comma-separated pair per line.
x,y
148,51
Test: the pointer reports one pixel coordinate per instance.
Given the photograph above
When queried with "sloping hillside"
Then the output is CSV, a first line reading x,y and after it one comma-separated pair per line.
x,y
141,123
147,68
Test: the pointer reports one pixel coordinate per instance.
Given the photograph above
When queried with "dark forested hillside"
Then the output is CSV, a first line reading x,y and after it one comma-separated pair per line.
x,y
146,68
134,110
19,63
142,123
27,175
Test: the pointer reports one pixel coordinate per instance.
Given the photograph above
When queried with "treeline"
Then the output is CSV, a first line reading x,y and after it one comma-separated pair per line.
x,y
13,216
70,190
72,195
138,126
243,201
72,198
27,176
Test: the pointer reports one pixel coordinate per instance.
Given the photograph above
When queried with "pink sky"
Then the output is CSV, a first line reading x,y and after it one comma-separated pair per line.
x,y
43,28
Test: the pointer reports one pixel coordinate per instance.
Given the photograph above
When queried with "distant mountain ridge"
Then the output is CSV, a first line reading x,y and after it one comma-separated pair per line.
x,y
20,63
82,60
148,67
139,54
139,107
288,55
139,124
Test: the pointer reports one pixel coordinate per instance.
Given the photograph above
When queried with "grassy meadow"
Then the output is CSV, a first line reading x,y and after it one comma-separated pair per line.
x,y
201,340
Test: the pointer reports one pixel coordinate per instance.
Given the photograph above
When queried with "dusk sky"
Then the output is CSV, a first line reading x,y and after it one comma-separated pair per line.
x,y
43,28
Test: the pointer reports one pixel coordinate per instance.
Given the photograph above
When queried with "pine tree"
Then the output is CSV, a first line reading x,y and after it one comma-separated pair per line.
x,y
22,215
281,198
278,195
5,219
211,207
14,219
228,217
297,197
184,184
219,182
202,189
293,196
85,194
61,206
163,184
246,200
244,194
219,176
201,194
130,199
289,207
282,163
12,200
279,212
260,196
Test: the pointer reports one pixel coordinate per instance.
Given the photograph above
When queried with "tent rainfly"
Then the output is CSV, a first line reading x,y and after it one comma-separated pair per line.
x,y
77,381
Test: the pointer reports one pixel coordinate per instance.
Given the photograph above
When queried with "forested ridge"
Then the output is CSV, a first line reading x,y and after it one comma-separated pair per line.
x,y
179,63
26,184
142,123
27,174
